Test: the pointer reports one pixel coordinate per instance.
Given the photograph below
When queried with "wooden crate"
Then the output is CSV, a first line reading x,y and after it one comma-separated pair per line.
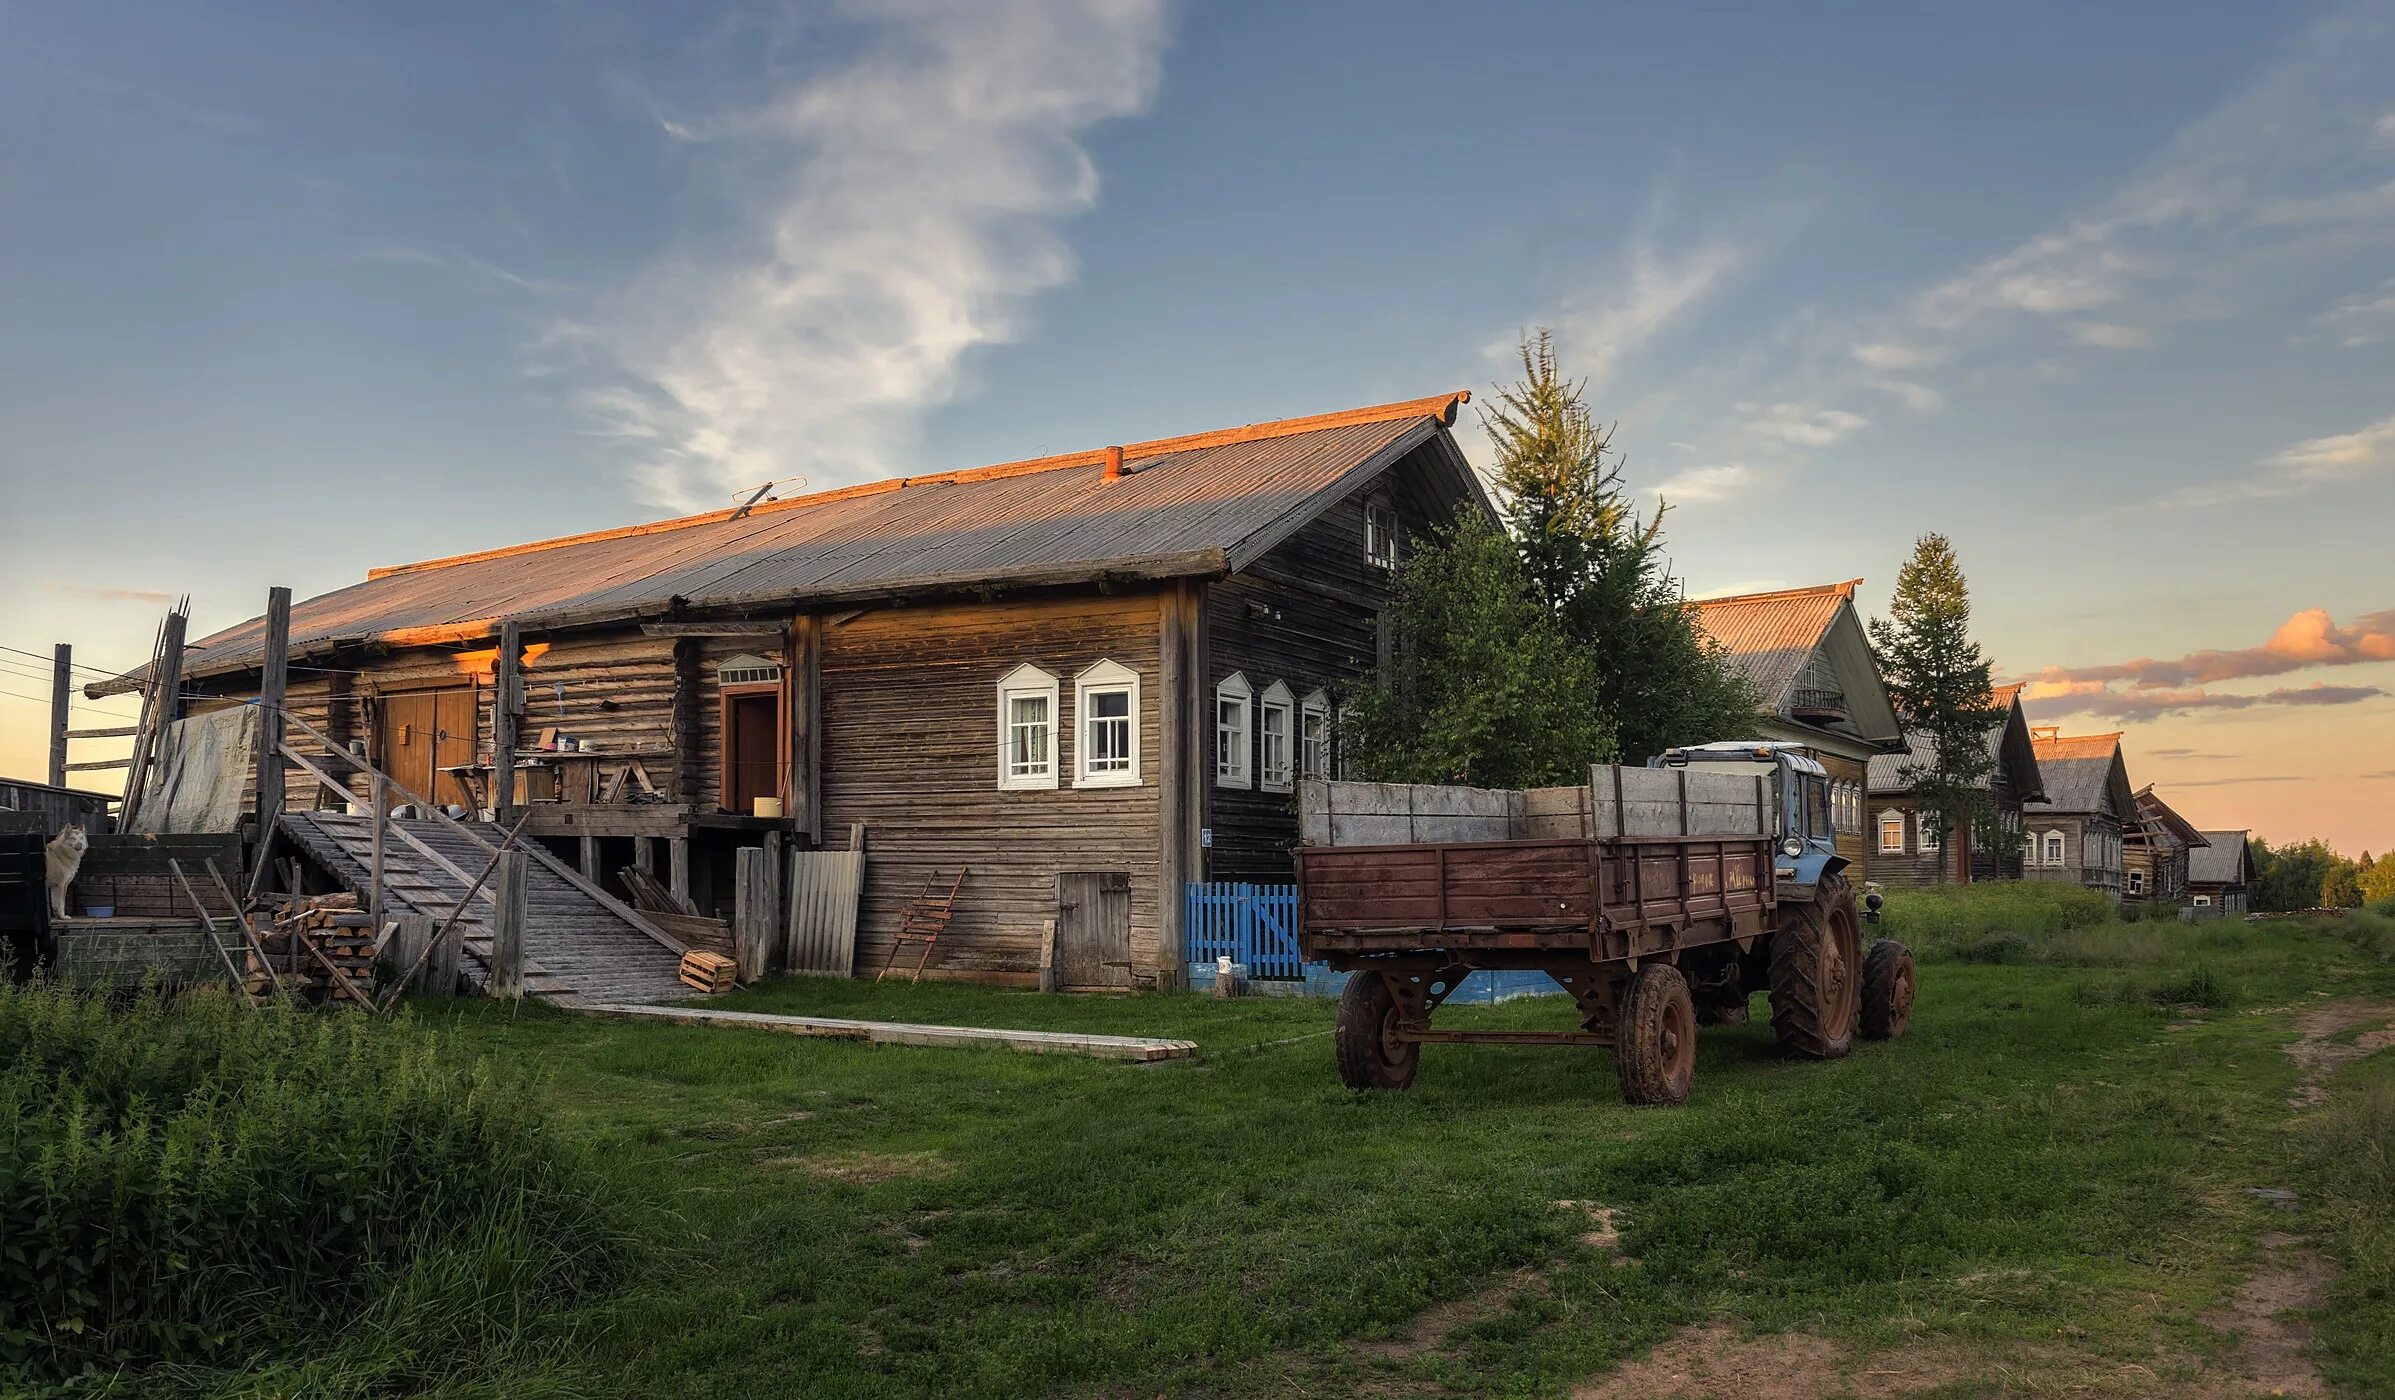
x,y
709,972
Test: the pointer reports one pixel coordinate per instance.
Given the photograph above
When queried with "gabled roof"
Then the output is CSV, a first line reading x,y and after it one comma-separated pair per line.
x,y
2084,773
2007,741
1197,505
1770,637
2223,859
2157,815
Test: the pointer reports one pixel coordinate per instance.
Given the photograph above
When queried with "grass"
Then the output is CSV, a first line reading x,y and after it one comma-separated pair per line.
x,y
2052,1165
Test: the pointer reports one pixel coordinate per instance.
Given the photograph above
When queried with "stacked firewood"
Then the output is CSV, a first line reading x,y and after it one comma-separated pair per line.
x,y
321,947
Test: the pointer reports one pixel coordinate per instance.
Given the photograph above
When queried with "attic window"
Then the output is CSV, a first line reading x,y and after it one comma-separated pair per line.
x,y
1380,534
747,669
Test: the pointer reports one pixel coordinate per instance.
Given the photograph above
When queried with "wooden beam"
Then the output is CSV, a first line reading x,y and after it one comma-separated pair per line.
x,y
590,859
752,913
62,684
1129,1048
272,688
125,733
507,926
507,709
677,869
93,766
714,629
1177,665
803,687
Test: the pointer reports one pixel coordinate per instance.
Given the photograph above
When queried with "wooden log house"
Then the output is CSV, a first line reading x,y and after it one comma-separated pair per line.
x,y
1906,848
2078,832
1083,680
2156,851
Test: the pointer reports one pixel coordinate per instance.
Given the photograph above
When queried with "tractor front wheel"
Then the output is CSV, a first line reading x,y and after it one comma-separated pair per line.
x,y
1817,974
1654,1037
1370,1054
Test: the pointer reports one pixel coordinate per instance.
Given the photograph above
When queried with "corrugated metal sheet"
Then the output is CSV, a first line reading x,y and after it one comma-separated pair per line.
x,y
2221,860
1184,506
1770,636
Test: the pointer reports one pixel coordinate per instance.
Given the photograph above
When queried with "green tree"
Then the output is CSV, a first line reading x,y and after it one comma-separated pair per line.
x,y
2341,887
1483,686
1940,683
2377,879
2293,876
1599,565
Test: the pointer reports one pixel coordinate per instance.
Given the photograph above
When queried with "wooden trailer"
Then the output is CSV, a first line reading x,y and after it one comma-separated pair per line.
x,y
1673,917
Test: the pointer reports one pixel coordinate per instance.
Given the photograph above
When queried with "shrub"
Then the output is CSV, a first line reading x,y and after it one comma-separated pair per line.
x,y
189,1183
1951,917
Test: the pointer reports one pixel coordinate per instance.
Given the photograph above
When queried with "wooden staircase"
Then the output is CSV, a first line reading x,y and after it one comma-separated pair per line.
x,y
578,946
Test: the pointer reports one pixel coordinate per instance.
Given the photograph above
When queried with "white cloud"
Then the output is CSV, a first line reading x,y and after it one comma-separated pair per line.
x,y
906,208
1795,425
1699,485
2384,127
1889,356
2364,317
2110,335
2301,468
1602,329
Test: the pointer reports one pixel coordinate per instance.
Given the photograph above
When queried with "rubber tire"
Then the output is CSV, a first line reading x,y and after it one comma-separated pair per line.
x,y
1654,1005
1887,1010
1806,953
1368,1059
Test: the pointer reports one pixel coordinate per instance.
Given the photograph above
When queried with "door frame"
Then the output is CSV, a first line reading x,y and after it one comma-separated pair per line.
x,y
725,695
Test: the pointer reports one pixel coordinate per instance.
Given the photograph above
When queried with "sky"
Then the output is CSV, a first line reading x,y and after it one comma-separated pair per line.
x,y
2105,294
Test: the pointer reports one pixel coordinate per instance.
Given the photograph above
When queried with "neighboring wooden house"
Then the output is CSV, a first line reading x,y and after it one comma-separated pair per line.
x,y
2155,852
1083,681
1905,848
26,805
2077,831
2219,872
1806,654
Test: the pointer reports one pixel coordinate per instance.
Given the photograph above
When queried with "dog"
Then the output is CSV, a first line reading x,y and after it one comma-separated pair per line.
x,y
63,857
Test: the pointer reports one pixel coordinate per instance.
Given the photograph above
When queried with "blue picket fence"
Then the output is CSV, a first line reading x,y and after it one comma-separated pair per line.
x,y
1251,924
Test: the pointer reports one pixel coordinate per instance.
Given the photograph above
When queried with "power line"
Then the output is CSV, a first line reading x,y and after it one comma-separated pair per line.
x,y
101,671
44,702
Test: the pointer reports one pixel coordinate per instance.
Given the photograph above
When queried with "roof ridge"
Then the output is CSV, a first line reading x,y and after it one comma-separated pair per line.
x,y
1843,590
1439,406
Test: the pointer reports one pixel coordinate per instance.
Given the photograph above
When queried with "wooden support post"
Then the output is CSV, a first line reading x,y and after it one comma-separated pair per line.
x,y
273,686
507,709
752,913
396,967
62,685
510,895
777,879
441,969
644,855
381,813
803,666
1179,785
677,868
590,859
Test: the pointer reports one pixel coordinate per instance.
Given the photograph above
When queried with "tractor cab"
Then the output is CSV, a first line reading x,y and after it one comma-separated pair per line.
x,y
1808,837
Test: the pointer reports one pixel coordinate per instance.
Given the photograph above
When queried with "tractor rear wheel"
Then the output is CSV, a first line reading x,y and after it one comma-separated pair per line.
x,y
1654,1037
1370,1054
1887,990
1817,973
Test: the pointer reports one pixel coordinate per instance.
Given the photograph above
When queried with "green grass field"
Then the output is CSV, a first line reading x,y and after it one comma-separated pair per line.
x,y
2048,1183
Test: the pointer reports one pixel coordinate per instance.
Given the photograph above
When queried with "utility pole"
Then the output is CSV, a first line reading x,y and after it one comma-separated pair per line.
x,y
62,684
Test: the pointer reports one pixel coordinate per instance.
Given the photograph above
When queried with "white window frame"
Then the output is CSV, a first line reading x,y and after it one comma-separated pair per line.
x,y
1235,741
1314,754
1380,533
2203,901
1104,678
2053,850
2137,883
1277,702
1887,817
1926,841
1022,683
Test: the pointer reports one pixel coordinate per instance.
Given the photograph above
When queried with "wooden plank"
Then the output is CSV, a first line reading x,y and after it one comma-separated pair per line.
x,y
752,914
507,710
273,689
125,733
92,766
1129,1048
507,929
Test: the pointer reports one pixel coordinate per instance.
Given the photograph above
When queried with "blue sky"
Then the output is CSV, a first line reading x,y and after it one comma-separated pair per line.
x,y
2106,293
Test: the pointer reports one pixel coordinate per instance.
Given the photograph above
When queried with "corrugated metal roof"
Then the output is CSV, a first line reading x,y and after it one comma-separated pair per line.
x,y
1770,636
1885,772
1194,505
2077,770
2221,860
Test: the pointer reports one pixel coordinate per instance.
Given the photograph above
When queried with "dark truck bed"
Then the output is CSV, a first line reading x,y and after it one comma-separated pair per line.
x,y
1619,898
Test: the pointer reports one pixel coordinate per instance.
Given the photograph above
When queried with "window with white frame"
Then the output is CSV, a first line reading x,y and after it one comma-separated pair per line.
x,y
1891,832
2137,882
1234,732
2053,854
1276,732
1380,534
2203,901
1106,709
1027,728
1930,842
1314,736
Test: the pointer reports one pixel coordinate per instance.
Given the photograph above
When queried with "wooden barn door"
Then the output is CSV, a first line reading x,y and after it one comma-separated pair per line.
x,y
421,732
1093,928
752,747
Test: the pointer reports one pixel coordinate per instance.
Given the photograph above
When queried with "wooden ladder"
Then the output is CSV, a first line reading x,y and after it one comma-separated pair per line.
x,y
922,921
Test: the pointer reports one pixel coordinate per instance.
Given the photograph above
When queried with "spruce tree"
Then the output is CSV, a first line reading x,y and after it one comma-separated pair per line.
x,y
1942,690
1599,565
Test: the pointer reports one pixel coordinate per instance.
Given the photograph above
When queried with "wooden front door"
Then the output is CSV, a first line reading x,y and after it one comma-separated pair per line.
x,y
421,732
752,748
1093,928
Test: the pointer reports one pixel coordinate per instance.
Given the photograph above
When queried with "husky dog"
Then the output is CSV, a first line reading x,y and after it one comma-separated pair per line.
x,y
64,857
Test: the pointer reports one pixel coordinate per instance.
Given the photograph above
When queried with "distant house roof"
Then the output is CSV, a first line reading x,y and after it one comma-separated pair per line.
x,y
1202,504
2007,741
1773,639
2225,858
2084,773
2157,815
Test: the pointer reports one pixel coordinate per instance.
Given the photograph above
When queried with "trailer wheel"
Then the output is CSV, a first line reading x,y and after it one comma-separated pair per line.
x,y
1816,974
1654,1037
1887,990
1370,1054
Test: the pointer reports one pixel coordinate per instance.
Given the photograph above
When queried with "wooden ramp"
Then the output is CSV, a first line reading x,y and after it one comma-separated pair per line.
x,y
1135,1048
577,946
